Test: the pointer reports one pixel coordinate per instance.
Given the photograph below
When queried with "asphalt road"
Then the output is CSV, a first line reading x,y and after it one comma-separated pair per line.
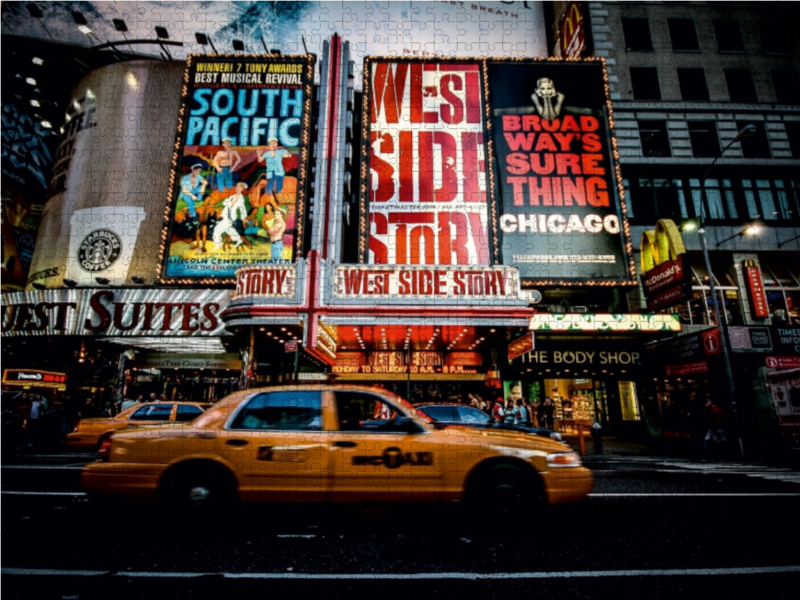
x,y
652,527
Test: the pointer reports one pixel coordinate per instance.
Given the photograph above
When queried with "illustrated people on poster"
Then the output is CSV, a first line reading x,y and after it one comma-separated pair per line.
x,y
193,186
276,234
273,162
226,161
234,209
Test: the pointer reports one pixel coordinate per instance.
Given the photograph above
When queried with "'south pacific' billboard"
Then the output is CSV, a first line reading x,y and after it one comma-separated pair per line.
x,y
238,189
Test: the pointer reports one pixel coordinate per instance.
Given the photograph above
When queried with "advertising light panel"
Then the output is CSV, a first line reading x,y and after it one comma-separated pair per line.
x,y
239,170
559,188
425,172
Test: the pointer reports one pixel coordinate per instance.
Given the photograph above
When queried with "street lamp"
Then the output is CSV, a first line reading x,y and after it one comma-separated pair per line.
x,y
746,131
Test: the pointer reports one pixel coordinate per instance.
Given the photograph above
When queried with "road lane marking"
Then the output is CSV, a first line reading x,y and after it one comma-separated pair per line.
x,y
44,467
693,494
406,576
17,493
593,495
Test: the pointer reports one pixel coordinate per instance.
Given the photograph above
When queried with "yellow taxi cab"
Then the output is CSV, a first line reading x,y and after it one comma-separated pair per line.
x,y
336,443
91,433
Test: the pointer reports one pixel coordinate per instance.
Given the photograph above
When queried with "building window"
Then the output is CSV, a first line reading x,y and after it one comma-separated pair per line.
x,y
787,90
655,140
729,36
637,35
740,85
773,38
793,133
654,199
703,136
757,145
683,35
782,288
770,199
716,200
644,81
693,84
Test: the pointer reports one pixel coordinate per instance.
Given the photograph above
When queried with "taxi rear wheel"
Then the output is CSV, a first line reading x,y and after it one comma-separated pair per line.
x,y
198,485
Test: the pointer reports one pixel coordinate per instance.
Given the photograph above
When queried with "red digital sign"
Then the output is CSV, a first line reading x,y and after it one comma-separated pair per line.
x,y
756,287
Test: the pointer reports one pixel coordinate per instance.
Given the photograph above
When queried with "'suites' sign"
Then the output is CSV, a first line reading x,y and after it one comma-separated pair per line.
x,y
114,312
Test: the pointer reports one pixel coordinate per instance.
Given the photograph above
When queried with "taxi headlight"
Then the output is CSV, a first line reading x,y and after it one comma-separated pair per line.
x,y
561,460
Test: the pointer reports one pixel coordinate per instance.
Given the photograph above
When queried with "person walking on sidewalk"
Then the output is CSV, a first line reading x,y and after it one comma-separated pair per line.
x,y
716,437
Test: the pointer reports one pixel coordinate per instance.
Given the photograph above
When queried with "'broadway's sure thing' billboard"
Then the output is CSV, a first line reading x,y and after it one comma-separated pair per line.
x,y
239,171
549,205
560,213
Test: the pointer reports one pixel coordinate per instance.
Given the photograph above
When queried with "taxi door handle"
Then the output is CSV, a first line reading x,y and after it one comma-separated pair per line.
x,y
236,442
344,444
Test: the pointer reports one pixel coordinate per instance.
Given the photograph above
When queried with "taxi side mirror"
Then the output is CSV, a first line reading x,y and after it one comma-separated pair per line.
x,y
407,425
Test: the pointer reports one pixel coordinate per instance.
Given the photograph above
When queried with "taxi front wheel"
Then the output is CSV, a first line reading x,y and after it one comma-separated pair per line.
x,y
198,485
508,488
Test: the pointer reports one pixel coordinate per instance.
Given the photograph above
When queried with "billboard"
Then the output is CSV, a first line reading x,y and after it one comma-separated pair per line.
x,y
574,32
425,170
239,170
104,202
559,186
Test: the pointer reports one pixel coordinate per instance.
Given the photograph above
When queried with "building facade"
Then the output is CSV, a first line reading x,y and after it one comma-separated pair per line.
x,y
429,224
686,80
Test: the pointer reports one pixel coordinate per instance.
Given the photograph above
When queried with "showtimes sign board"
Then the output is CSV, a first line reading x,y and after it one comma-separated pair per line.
x,y
237,194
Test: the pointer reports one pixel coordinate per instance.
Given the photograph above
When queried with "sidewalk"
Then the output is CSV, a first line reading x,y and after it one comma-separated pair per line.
x,y
616,449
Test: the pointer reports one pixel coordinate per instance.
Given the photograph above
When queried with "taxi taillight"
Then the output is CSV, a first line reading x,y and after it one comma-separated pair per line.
x,y
105,450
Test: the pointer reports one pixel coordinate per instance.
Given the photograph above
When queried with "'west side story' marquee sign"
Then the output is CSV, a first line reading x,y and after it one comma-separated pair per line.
x,y
426,282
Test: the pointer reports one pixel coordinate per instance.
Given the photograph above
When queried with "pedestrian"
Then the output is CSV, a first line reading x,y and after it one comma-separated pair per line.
x,y
521,417
153,397
498,413
716,437
482,403
88,410
128,402
34,420
549,413
540,413
511,413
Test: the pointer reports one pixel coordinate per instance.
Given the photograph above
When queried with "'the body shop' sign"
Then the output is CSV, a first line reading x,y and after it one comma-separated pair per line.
x,y
560,216
426,173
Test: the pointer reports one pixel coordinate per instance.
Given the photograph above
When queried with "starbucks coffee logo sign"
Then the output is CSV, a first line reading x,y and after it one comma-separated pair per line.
x,y
99,250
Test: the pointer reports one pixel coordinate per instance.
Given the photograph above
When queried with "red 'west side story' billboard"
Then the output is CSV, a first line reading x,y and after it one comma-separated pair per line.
x,y
426,180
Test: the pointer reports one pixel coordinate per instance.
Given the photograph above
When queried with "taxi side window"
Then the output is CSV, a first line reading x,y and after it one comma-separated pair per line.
x,y
359,411
187,413
284,411
152,412
472,415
